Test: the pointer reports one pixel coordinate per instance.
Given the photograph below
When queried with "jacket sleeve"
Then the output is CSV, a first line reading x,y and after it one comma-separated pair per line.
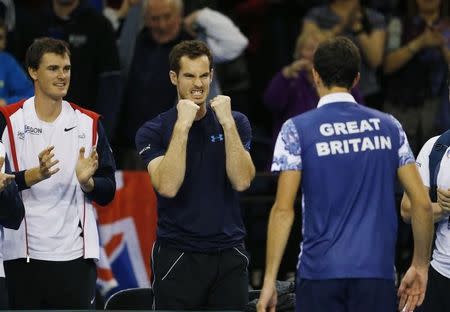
x,y
104,179
12,210
221,35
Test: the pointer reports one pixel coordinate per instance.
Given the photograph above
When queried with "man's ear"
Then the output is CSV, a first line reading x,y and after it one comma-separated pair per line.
x,y
33,73
316,77
173,77
212,75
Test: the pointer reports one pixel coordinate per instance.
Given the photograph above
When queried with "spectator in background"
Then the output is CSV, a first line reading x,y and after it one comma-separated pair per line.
x,y
149,91
95,78
291,91
416,68
365,27
14,83
127,22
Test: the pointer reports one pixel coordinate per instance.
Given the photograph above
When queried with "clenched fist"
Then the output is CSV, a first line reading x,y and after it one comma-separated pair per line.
x,y
221,105
187,110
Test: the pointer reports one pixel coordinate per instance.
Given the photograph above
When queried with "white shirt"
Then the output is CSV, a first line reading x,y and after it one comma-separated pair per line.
x,y
441,252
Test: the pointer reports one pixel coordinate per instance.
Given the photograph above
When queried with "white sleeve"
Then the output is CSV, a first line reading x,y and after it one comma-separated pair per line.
x,y
422,160
222,36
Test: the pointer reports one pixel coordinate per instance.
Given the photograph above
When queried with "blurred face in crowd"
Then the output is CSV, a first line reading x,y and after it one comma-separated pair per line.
x,y
193,80
428,6
52,77
2,38
308,48
163,18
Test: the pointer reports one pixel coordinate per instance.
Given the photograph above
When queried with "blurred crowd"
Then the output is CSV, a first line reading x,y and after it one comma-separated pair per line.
x,y
263,53
262,50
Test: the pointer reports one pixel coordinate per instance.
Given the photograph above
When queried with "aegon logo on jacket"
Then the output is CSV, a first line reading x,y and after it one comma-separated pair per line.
x,y
32,130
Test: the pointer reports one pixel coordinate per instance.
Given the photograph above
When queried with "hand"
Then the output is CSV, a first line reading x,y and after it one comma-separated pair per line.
x,y
2,102
412,288
47,164
291,71
5,179
443,199
267,299
189,23
86,168
431,38
221,105
187,110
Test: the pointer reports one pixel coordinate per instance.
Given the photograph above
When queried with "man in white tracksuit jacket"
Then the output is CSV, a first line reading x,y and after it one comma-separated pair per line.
x,y
62,161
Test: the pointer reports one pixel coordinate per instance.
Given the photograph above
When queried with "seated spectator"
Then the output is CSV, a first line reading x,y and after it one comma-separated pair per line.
x,y
14,83
149,91
291,91
416,66
365,27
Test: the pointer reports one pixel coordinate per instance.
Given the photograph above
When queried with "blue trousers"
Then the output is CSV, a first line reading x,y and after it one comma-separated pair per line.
x,y
345,295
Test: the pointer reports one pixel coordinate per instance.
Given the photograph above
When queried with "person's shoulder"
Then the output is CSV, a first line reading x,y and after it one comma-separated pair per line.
x,y
83,110
6,58
159,123
238,116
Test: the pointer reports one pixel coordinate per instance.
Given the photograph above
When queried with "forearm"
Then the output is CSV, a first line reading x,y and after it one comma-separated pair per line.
x,y
239,165
372,47
279,228
398,58
422,227
168,177
438,213
223,37
103,188
33,176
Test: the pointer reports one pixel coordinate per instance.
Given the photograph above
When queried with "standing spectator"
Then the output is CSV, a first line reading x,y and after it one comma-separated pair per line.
x,y
291,91
149,91
346,158
439,272
95,78
14,83
49,261
365,27
197,156
418,46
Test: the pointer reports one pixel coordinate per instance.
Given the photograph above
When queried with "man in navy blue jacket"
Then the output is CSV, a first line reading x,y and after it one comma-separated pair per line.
x,y
346,158
197,156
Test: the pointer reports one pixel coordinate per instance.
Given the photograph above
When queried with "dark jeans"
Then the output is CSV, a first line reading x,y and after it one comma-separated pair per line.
x,y
200,281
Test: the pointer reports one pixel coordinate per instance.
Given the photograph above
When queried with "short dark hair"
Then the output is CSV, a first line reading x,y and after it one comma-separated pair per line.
x,y
337,61
44,45
192,49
